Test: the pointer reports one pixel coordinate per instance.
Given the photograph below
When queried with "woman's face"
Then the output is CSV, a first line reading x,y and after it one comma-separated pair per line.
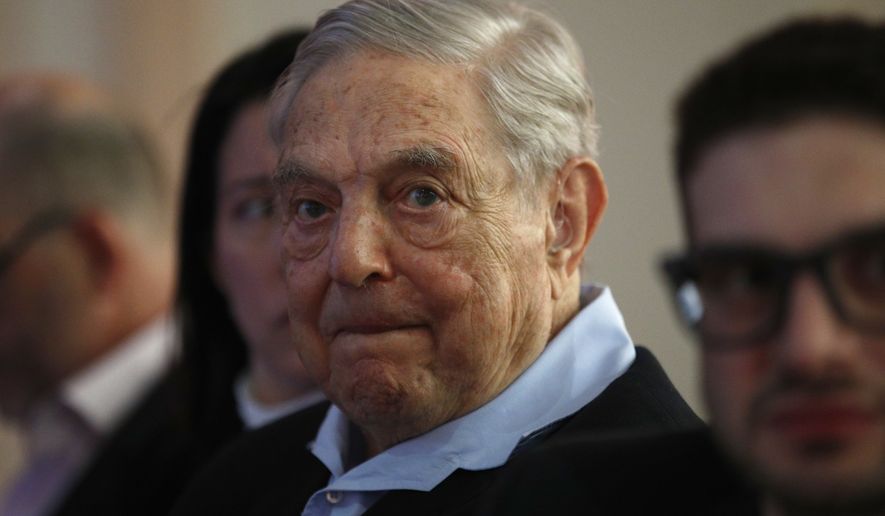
x,y
246,259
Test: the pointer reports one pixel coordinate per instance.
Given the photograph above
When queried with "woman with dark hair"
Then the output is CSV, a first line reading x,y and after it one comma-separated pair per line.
x,y
240,367
232,310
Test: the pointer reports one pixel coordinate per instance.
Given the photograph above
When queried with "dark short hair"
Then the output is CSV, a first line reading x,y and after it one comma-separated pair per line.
x,y
806,67
213,349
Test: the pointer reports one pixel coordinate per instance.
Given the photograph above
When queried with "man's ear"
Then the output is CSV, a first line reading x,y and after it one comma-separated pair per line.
x,y
102,241
578,200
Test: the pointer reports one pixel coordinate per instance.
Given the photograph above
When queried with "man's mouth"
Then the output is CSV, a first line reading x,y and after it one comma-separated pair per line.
x,y
824,421
373,329
367,321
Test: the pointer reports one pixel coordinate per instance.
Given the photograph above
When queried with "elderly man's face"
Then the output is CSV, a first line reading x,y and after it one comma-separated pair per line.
x,y
805,407
418,285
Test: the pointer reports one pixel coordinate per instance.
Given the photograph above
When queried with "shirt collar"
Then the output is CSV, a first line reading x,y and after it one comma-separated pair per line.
x,y
103,392
576,366
255,413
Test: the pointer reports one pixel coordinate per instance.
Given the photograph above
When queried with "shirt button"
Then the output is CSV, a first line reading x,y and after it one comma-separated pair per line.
x,y
333,497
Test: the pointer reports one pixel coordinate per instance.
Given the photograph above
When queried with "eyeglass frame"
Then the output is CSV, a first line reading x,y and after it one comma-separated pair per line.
x,y
678,272
34,228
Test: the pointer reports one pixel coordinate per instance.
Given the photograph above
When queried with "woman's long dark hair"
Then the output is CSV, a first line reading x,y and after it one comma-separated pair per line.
x,y
213,349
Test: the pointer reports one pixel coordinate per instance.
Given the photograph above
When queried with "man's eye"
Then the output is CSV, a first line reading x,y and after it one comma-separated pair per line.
x,y
861,271
422,197
311,210
255,209
736,280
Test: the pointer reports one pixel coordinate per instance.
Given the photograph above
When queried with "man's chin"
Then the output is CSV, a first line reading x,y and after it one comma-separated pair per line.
x,y
387,412
835,487
375,403
371,389
859,500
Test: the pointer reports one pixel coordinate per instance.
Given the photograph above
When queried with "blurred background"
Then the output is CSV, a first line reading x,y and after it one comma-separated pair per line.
x,y
157,55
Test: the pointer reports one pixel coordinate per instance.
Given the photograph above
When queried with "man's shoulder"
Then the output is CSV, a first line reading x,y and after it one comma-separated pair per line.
x,y
637,448
639,404
267,470
666,473
142,467
643,399
672,472
277,443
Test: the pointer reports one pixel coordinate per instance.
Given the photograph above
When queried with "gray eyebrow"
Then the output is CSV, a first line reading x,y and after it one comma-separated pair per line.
x,y
289,171
425,156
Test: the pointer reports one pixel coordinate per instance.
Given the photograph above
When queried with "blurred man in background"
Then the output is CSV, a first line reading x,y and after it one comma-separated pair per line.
x,y
781,165
86,246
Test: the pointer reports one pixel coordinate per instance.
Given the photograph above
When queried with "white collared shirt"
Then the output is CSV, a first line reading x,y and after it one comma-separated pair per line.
x,y
256,414
576,366
105,391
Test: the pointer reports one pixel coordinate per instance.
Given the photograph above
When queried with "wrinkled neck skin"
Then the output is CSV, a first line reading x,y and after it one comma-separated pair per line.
x,y
567,306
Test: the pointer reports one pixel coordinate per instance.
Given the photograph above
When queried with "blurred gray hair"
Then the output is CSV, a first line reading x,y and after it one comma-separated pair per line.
x,y
527,66
82,160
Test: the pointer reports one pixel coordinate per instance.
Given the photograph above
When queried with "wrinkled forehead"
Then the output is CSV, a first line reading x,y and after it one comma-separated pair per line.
x,y
354,113
378,94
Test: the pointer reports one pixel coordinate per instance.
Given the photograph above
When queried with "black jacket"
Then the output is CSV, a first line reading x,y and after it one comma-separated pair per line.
x,y
271,472
146,463
661,473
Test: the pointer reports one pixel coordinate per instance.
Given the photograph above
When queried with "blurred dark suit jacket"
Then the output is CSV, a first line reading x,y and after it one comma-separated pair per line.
x,y
144,466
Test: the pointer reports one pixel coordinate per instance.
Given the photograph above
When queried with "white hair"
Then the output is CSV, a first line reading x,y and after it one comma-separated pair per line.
x,y
527,66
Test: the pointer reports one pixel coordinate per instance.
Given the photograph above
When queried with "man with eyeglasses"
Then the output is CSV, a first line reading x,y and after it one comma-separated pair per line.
x,y
86,247
781,168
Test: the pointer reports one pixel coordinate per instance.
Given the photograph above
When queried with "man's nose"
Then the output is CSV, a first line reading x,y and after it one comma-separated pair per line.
x,y
813,341
359,251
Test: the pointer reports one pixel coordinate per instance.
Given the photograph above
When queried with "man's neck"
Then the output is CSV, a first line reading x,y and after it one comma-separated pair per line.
x,y
566,307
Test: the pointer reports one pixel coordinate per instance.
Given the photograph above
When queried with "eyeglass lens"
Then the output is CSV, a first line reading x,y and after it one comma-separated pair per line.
x,y
739,294
857,273
742,294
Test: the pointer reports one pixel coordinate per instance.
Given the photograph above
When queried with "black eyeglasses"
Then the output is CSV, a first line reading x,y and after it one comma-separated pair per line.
x,y
733,296
38,225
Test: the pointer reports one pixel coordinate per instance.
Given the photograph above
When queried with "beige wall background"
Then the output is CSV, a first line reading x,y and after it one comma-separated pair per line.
x,y
157,55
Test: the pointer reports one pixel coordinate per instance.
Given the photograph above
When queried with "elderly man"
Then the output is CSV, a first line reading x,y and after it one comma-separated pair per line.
x,y
438,193
86,278
781,164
